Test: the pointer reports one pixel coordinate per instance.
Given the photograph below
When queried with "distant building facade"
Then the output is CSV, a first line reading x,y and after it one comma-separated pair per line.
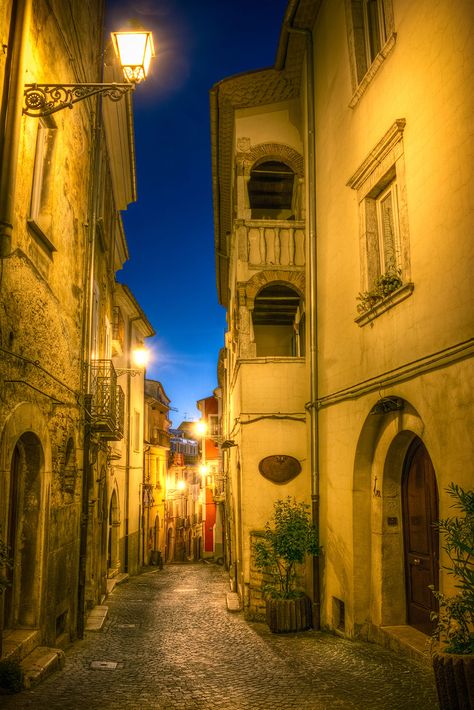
x,y
184,506
156,452
343,222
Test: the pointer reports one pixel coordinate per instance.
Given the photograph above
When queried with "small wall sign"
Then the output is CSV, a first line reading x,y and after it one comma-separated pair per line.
x,y
279,468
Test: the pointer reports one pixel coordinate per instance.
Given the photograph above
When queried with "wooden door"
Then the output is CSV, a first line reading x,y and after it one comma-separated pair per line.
x,y
420,511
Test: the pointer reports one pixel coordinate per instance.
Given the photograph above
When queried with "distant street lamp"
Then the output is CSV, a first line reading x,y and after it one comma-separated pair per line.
x,y
134,51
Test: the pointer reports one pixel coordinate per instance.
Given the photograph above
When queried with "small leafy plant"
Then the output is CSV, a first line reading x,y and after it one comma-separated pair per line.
x,y
285,542
455,619
384,285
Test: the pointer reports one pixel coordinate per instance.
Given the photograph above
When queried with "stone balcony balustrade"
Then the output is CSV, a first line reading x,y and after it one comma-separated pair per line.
x,y
264,243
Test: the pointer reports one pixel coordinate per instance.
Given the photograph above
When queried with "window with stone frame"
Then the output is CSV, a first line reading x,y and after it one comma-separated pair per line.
x,y
383,225
371,37
41,208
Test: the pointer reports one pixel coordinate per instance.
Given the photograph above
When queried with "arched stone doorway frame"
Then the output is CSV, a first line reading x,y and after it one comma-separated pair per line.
x,y
113,538
26,431
377,522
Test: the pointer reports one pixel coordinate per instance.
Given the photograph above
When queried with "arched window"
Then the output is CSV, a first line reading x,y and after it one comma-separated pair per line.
x,y
271,191
278,322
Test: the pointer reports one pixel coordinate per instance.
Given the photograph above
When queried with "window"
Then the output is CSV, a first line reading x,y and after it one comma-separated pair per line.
x,y
383,219
41,209
278,322
371,37
271,191
387,222
213,421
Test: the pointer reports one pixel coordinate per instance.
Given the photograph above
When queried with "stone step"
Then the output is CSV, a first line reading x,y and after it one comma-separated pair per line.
x,y
96,618
408,641
19,643
39,664
233,601
118,579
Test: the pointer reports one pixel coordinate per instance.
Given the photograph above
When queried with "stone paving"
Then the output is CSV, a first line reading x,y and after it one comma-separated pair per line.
x,y
169,643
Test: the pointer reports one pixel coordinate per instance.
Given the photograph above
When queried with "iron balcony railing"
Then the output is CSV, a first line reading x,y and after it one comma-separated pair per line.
x,y
108,401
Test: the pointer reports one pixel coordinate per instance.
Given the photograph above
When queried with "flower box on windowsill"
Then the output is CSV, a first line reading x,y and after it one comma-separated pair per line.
x,y
385,303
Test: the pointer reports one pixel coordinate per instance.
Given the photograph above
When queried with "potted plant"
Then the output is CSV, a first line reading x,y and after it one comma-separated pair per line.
x,y
384,285
285,542
453,655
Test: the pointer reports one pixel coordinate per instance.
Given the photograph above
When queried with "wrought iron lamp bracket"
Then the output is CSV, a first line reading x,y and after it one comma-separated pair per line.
x,y
45,99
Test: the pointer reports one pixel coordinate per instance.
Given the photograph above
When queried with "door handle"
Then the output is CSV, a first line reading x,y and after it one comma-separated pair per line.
x,y
416,561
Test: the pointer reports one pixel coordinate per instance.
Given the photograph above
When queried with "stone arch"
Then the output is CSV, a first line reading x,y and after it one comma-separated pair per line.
x,y
271,151
249,290
377,517
113,538
25,473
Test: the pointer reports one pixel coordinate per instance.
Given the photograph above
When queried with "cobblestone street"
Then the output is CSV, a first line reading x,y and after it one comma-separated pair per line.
x,y
172,644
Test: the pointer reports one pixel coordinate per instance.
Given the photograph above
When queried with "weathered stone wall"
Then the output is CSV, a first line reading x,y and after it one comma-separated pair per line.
x,y
42,301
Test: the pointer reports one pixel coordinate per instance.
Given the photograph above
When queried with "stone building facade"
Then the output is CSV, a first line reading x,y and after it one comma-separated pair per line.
x,y
157,452
367,111
63,184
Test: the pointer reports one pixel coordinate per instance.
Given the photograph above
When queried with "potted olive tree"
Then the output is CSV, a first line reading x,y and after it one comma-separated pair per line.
x,y
453,652
286,541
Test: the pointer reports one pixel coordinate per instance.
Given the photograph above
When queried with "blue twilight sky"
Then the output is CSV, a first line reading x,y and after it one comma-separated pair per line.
x,y
170,228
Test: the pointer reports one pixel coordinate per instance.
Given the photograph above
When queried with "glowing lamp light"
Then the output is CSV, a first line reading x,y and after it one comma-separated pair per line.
x,y
201,427
140,356
134,51
203,469
181,485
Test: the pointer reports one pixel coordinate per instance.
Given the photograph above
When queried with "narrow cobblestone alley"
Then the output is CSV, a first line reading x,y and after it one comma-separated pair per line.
x,y
171,644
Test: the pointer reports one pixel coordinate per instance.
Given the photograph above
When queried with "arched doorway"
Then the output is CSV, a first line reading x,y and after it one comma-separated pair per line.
x,y
113,557
170,540
23,537
421,545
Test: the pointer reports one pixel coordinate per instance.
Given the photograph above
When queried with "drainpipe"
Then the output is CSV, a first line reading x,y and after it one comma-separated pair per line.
x,y
129,444
11,116
312,307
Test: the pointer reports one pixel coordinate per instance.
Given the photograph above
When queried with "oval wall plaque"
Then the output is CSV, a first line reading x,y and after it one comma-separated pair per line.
x,y
279,468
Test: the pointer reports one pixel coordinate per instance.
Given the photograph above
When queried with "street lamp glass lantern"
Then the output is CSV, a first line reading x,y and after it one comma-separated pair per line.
x,y
201,427
134,51
140,356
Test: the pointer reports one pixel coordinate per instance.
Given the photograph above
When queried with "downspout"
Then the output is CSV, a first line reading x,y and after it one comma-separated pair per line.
x,y
11,117
312,311
129,444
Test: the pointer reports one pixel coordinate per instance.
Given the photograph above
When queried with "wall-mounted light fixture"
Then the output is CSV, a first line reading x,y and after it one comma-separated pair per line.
x,y
134,51
140,356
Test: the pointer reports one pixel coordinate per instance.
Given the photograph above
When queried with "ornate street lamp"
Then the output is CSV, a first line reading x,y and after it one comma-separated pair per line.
x,y
134,51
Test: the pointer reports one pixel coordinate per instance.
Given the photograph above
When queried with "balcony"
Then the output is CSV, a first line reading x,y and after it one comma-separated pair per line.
x,y
108,401
273,242
160,438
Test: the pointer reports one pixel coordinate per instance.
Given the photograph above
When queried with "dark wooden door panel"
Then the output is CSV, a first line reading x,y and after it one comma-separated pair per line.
x,y
420,511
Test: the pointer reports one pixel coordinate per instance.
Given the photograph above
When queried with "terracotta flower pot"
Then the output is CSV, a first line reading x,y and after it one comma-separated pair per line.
x,y
288,615
454,675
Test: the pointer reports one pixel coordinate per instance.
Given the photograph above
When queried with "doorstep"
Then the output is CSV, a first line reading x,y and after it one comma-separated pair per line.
x,y
408,641
232,601
117,579
39,664
19,643
96,618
